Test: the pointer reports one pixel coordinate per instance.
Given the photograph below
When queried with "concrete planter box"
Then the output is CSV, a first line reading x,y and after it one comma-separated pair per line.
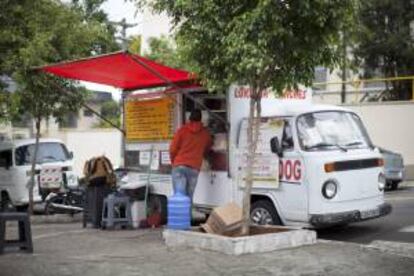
x,y
264,239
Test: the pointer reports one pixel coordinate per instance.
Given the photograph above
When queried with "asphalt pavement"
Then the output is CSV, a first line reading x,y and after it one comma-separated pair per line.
x,y
396,227
68,249
379,247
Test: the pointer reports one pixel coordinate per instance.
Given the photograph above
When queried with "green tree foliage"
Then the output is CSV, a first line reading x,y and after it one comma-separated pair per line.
x,y
94,15
9,105
37,32
385,42
111,110
135,44
167,51
260,43
11,39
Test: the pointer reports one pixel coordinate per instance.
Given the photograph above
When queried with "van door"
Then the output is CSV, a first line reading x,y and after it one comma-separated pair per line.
x,y
214,185
292,195
265,167
6,170
213,189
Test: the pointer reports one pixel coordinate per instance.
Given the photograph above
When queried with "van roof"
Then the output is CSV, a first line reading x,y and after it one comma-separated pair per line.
x,y
23,142
296,108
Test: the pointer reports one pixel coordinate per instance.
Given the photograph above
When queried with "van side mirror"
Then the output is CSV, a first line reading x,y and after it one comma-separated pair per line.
x,y
71,155
276,147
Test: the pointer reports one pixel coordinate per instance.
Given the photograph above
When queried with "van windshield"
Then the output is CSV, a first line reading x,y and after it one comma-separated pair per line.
x,y
47,153
331,130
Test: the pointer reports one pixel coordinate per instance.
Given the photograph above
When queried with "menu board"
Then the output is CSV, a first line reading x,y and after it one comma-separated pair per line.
x,y
149,119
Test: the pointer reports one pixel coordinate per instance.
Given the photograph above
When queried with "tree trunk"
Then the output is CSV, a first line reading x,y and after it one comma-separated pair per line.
x,y
252,137
343,69
33,169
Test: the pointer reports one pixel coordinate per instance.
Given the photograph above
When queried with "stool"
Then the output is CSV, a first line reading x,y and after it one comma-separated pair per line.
x,y
112,211
25,234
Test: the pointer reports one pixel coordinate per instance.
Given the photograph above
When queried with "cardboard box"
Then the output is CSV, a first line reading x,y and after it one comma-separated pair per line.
x,y
224,220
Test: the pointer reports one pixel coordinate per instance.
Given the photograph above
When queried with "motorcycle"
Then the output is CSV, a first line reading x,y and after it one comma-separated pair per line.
x,y
70,202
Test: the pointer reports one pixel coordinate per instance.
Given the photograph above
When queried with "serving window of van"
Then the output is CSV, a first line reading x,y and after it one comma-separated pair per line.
x,y
216,125
331,130
139,156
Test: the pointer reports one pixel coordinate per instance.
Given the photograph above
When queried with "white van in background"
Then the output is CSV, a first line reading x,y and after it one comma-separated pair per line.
x,y
54,170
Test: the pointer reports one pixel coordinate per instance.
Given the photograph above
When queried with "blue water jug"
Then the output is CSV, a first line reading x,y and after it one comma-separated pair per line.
x,y
179,211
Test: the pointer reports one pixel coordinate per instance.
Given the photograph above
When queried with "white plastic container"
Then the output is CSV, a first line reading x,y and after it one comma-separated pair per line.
x,y
137,212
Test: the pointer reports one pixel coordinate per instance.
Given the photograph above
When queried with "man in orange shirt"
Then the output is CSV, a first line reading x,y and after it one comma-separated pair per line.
x,y
188,147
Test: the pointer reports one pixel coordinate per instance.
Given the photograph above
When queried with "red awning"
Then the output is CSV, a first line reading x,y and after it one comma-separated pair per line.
x,y
121,69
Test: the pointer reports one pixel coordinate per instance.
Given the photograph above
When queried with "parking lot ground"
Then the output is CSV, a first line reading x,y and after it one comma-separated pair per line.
x,y
407,183
68,249
396,227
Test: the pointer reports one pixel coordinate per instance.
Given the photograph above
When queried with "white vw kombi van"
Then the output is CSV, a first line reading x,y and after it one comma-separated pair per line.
x,y
54,170
315,164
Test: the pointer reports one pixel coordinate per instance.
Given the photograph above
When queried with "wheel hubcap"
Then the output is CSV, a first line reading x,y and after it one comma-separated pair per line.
x,y
261,216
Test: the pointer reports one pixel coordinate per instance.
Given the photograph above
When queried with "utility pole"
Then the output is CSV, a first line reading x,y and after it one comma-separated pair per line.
x,y
124,26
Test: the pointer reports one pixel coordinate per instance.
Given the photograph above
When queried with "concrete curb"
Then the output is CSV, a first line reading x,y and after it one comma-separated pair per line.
x,y
240,245
407,183
403,249
57,218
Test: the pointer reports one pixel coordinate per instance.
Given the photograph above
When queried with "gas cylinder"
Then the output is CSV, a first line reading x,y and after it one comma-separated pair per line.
x,y
179,211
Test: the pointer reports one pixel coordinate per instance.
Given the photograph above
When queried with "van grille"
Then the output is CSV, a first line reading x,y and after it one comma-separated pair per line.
x,y
356,164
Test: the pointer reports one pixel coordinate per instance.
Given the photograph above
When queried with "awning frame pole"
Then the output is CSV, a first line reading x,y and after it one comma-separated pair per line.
x,y
171,83
90,109
103,118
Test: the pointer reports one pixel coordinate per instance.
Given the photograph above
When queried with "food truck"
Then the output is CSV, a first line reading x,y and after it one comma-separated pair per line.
x,y
315,165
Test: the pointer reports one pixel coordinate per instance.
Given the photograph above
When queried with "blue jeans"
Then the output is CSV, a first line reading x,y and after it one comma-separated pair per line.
x,y
184,180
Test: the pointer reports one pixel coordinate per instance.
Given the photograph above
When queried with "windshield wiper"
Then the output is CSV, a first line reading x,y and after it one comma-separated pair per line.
x,y
323,144
49,157
356,143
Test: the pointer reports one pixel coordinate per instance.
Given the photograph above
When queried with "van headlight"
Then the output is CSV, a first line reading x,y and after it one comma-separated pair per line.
x,y
72,179
329,189
381,181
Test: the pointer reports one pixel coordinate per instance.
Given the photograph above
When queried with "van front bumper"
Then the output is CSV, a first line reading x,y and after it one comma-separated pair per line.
x,y
326,220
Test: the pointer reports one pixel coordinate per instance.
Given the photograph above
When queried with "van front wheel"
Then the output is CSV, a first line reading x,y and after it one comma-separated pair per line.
x,y
262,212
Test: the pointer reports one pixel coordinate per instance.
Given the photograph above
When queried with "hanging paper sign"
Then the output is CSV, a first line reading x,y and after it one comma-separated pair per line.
x,y
155,161
144,158
265,165
265,169
149,119
165,158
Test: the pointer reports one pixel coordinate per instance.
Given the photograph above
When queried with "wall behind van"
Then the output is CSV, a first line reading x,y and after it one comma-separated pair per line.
x,y
390,125
91,143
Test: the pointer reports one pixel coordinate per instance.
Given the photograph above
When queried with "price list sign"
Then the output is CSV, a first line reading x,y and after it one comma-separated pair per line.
x,y
149,119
